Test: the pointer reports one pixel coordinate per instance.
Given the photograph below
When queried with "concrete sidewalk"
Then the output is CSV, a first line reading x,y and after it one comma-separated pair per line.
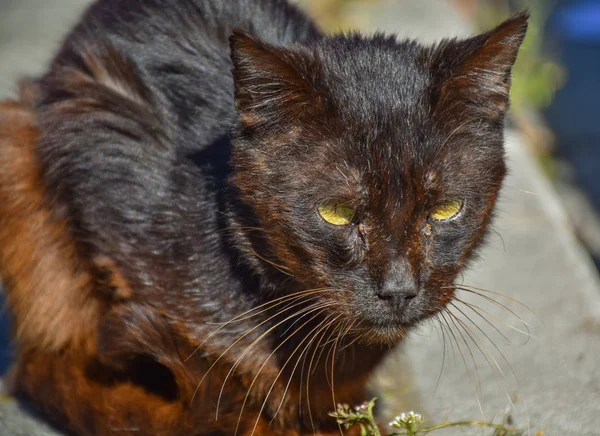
x,y
552,378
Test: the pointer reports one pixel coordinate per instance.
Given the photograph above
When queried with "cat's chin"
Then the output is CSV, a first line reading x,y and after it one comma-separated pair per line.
x,y
388,335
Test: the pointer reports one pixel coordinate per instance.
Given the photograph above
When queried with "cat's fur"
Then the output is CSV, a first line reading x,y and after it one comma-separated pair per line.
x,y
142,211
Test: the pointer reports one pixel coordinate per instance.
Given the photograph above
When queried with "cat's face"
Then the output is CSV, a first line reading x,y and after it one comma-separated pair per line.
x,y
372,167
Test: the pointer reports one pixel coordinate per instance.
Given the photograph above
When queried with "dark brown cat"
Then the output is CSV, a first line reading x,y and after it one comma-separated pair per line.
x,y
190,251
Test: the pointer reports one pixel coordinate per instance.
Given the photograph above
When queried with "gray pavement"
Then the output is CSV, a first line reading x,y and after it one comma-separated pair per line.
x,y
549,379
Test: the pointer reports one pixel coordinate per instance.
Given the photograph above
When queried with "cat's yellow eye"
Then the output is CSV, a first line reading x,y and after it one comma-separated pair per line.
x,y
447,211
336,214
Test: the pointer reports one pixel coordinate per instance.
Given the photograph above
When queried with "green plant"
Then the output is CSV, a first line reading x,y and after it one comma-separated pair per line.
x,y
409,424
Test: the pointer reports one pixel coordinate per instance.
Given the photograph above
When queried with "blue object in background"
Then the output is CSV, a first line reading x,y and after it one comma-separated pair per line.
x,y
5,349
575,113
579,22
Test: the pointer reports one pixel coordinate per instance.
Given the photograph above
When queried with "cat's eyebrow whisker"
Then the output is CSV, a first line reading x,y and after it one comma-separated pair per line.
x,y
319,310
469,121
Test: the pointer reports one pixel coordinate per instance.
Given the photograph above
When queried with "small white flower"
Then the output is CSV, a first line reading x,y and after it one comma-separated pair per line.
x,y
406,420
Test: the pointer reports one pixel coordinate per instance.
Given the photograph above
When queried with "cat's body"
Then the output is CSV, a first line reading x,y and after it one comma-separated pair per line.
x,y
185,267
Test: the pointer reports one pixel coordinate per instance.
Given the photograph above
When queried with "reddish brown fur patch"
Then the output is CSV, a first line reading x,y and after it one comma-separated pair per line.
x,y
117,285
29,93
48,286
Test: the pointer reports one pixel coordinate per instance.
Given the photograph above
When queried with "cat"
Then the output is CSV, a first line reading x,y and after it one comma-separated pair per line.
x,y
217,220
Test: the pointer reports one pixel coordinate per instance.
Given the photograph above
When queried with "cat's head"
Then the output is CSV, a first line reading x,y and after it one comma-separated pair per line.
x,y
372,166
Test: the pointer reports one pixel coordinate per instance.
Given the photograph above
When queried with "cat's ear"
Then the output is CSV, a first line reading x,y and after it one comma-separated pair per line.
x,y
269,85
480,68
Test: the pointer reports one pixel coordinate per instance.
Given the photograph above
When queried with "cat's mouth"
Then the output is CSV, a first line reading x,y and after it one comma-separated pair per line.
x,y
386,323
388,334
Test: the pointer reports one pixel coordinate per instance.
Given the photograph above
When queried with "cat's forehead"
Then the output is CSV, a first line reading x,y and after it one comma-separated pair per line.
x,y
426,160
375,74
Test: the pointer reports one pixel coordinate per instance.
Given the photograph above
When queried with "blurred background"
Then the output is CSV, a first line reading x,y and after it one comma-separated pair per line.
x,y
546,252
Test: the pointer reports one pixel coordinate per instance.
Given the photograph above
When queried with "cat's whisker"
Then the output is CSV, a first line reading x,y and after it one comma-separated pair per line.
x,y
281,268
325,325
330,341
323,346
287,304
334,353
292,297
445,328
453,319
477,340
310,365
437,384
470,307
502,355
312,337
292,324
492,229
302,313
246,333
464,362
514,374
496,303
319,310
269,305
303,356
354,341
489,339
234,227
345,334
510,326
514,300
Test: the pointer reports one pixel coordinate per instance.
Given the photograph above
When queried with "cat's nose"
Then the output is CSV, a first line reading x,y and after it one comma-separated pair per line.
x,y
399,285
